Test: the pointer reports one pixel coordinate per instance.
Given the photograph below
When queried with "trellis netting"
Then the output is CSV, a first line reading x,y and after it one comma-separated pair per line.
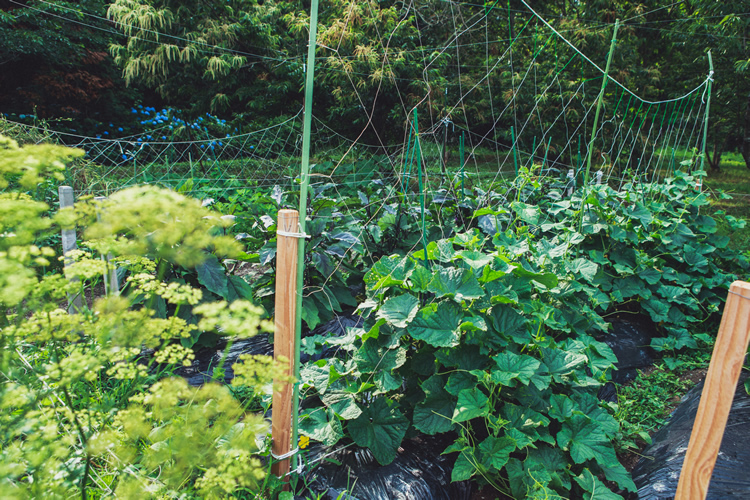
x,y
495,94
499,94
501,90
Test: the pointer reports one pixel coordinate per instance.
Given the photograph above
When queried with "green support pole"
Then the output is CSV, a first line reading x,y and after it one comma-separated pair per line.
x,y
304,186
461,155
533,152
599,103
546,152
515,155
405,185
708,104
418,151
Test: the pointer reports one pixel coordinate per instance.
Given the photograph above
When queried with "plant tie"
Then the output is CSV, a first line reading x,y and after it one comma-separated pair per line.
x,y
292,235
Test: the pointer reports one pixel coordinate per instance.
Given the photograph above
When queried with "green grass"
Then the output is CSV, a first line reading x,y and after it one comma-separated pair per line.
x,y
733,179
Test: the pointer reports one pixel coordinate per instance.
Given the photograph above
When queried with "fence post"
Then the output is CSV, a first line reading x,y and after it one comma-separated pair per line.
x,y
717,396
111,284
75,303
571,181
284,336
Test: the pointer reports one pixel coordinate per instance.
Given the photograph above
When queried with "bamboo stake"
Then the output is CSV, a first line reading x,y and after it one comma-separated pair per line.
x,y
599,106
284,344
717,396
708,105
303,193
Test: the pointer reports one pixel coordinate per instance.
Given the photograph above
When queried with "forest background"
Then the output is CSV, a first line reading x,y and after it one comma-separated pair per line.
x,y
79,65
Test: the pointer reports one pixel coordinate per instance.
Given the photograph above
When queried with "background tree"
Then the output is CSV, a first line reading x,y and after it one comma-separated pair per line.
x,y
54,61
206,56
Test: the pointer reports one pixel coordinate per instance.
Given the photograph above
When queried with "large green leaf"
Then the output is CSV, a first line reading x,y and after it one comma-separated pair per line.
x,y
696,260
441,251
342,403
586,441
629,286
464,467
318,375
549,280
529,483
321,425
589,405
641,213
388,272
476,260
509,323
561,407
310,314
237,288
596,489
511,366
458,284
211,275
458,381
381,428
495,452
372,357
400,310
650,275
438,324
420,279
583,267
677,295
433,415
527,213
472,403
562,364
550,459
525,425
657,308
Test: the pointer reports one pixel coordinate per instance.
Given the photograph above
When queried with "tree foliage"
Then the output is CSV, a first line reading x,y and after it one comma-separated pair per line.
x,y
54,60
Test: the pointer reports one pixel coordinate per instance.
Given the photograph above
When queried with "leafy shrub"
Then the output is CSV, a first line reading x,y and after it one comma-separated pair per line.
x,y
493,336
88,407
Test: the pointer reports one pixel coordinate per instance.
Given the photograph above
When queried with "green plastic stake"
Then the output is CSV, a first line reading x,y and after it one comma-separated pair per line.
x,y
304,186
533,152
599,102
708,105
405,184
461,155
421,188
515,155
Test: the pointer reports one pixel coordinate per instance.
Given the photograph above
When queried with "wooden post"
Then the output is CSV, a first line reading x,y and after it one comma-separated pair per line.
x,y
67,199
717,396
283,343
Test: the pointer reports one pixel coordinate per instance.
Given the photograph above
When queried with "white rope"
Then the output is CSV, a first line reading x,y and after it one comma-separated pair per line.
x,y
603,72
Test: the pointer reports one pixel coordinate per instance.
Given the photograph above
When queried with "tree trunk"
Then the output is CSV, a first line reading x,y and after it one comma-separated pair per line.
x,y
746,139
714,161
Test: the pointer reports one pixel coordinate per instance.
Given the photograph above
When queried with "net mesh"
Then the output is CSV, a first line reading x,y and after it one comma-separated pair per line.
x,y
501,92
